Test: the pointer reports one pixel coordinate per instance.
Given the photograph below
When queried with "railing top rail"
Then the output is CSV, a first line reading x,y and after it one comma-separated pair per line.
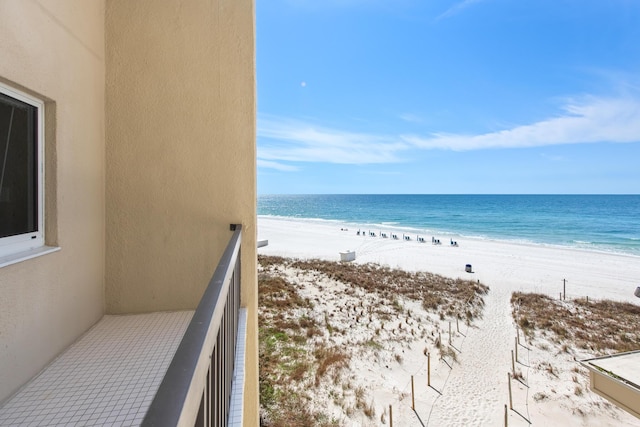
x,y
168,405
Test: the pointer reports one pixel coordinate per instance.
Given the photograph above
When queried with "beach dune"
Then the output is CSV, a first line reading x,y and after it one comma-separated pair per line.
x,y
476,387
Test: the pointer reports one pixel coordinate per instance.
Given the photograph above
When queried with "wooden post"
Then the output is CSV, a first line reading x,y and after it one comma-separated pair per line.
x,y
449,332
513,364
518,335
510,396
413,400
390,416
428,369
564,289
516,349
587,299
506,418
560,297
457,325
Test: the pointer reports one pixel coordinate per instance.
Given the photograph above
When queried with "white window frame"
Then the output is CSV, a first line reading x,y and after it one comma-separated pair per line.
x,y
27,245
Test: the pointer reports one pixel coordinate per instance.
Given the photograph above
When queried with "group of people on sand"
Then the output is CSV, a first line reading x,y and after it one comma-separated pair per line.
x,y
438,242
420,239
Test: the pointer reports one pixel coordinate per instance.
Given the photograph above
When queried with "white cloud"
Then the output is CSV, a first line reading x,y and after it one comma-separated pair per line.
x,y
553,158
276,165
297,141
592,120
411,118
456,8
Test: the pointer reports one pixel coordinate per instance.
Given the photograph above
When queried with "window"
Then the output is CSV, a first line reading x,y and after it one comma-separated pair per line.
x,y
21,172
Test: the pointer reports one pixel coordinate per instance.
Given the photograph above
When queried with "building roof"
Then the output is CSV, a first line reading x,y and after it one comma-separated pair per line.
x,y
624,366
617,378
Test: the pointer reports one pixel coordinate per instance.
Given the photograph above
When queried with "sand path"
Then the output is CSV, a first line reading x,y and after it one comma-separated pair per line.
x,y
476,391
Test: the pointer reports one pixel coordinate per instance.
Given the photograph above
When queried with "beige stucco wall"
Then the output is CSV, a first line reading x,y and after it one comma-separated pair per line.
x,y
622,395
180,138
55,49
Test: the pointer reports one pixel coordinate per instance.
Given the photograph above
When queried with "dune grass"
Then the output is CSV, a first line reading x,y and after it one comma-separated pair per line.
x,y
300,363
599,327
449,297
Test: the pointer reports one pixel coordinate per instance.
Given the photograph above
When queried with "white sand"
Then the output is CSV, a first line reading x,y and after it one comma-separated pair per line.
x,y
474,391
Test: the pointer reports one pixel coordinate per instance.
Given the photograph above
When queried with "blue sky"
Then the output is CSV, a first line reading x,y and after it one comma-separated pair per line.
x,y
448,96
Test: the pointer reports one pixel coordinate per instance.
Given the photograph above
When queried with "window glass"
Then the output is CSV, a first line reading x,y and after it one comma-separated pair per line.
x,y
18,167
21,175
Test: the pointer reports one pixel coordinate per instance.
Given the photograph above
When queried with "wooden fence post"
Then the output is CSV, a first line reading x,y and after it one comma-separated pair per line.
x,y
390,416
428,369
413,400
510,396
513,364
506,418
516,349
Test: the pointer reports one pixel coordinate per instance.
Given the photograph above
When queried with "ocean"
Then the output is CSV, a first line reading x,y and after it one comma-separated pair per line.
x,y
609,223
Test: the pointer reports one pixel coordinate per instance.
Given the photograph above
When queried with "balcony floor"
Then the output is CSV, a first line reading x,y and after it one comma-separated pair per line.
x,y
108,377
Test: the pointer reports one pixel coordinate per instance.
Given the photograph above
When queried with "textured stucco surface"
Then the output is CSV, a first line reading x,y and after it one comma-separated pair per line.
x,y
150,155
180,162
55,50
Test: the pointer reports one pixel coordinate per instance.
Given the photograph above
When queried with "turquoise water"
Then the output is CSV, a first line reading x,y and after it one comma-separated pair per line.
x,y
608,223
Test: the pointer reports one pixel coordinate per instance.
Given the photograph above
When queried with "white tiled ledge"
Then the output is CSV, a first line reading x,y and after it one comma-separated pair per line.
x,y
108,377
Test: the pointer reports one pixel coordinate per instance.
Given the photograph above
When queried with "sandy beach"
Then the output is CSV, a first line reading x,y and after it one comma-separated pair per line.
x,y
473,391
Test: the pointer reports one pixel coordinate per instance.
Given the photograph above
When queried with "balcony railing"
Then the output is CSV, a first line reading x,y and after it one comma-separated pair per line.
x,y
196,389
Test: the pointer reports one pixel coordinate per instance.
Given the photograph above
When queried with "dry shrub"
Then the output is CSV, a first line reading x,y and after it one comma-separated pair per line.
x,y
448,352
276,292
326,357
539,396
268,262
369,410
453,297
293,411
292,356
283,359
599,326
